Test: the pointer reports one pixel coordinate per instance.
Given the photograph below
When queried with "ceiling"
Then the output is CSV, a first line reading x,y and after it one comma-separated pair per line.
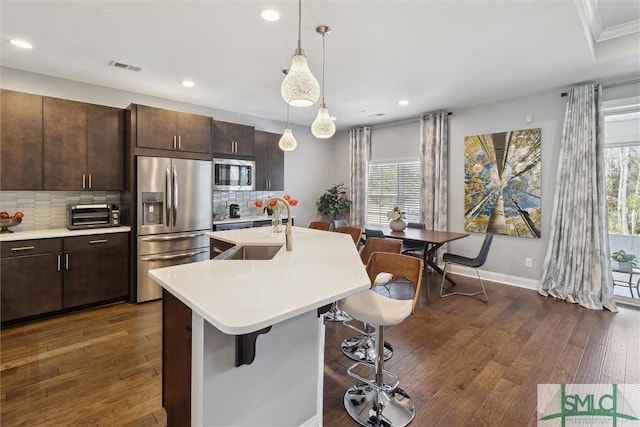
x,y
435,54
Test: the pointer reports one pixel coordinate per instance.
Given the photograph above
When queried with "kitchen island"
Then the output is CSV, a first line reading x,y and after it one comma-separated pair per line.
x,y
256,339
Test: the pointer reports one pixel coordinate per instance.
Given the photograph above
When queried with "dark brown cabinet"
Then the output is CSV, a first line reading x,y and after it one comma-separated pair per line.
x,y
176,360
31,276
161,129
83,146
95,269
20,141
232,138
46,276
269,162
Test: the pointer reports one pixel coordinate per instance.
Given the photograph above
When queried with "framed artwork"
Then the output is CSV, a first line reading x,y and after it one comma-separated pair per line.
x,y
502,183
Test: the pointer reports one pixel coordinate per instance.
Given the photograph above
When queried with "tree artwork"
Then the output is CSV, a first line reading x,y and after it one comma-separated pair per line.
x,y
502,183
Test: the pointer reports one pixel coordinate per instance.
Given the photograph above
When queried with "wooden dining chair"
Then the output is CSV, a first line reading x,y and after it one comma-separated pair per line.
x,y
320,225
355,233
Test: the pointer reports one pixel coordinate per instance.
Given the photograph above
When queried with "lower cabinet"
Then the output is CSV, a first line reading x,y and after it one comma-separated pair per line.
x,y
47,276
96,269
31,278
176,360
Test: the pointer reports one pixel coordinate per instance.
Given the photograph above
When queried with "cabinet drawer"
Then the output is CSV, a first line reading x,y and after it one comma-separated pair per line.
x,y
29,247
95,241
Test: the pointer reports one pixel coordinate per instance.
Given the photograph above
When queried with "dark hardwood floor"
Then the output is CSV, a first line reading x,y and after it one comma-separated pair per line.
x,y
464,363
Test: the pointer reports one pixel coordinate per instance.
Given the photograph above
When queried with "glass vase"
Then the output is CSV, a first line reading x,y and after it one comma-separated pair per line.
x,y
276,221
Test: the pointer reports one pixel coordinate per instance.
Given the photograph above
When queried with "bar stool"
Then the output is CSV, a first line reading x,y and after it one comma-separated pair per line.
x,y
361,347
378,401
335,314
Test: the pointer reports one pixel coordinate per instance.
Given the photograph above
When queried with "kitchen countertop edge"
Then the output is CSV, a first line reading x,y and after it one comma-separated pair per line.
x,y
59,232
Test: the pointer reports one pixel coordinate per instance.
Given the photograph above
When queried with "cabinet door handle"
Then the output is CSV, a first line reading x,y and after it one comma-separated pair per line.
x,y
93,242
83,181
58,262
89,180
66,261
174,142
22,248
232,147
179,142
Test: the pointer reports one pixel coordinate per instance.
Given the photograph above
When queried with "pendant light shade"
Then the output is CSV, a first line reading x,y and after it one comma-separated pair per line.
x,y
287,142
300,88
323,127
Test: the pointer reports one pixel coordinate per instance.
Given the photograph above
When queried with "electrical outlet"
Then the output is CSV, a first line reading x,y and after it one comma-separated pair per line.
x,y
528,262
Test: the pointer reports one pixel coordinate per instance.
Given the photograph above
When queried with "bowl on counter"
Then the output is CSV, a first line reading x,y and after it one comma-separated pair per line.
x,y
5,223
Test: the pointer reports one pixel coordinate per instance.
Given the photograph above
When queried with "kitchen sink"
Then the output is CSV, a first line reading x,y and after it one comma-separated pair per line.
x,y
250,252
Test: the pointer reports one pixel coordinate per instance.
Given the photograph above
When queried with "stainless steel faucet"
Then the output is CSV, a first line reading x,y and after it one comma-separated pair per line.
x,y
288,237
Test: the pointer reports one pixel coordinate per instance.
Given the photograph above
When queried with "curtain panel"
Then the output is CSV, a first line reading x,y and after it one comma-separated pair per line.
x,y
577,267
359,153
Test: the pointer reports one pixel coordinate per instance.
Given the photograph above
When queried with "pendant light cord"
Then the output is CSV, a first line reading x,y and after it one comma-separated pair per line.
x,y
323,34
299,25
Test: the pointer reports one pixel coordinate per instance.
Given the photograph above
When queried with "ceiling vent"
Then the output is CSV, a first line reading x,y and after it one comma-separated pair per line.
x,y
124,66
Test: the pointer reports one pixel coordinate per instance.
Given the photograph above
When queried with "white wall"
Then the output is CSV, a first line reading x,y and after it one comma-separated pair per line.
x,y
307,169
402,141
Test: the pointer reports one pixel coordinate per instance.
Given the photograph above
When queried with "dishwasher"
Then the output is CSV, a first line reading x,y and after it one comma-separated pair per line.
x,y
219,246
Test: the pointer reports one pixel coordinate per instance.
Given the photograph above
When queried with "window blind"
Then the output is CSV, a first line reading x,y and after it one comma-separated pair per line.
x,y
393,184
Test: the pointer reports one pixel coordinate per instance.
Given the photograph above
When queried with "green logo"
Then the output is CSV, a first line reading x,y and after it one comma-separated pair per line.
x,y
586,403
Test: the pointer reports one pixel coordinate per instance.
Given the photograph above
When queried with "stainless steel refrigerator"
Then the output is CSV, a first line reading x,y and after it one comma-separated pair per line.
x,y
174,202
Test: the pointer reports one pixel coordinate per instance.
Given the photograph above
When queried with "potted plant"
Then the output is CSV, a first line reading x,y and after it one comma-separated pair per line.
x,y
334,203
626,261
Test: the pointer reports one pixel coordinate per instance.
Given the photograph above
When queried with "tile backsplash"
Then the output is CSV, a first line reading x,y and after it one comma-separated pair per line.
x,y
48,209
222,200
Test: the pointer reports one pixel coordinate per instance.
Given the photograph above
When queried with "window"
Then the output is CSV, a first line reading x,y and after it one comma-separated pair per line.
x,y
622,165
393,184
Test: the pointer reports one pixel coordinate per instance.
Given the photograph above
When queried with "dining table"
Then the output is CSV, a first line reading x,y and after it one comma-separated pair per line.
x,y
432,239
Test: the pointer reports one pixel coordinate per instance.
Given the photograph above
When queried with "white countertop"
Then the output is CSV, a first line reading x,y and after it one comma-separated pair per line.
x,y
59,232
243,296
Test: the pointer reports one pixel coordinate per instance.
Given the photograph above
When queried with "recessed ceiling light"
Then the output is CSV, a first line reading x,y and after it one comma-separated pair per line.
x,y
270,15
188,83
403,102
21,43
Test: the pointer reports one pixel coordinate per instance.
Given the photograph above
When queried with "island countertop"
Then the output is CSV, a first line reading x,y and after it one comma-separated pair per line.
x,y
244,296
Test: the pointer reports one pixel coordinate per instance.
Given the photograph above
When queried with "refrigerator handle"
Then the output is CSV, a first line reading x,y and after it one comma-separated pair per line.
x,y
175,195
168,195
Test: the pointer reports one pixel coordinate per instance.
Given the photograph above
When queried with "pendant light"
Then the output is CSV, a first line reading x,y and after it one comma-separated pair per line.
x,y
287,141
300,88
323,127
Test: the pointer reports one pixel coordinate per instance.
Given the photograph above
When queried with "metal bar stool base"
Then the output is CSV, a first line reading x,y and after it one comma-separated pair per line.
x,y
362,349
372,408
336,315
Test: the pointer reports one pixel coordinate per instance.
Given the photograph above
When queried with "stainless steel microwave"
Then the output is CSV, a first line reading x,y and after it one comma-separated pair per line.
x,y
234,174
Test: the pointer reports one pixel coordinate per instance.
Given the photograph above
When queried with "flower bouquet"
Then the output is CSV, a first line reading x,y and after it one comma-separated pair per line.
x,y
396,216
275,207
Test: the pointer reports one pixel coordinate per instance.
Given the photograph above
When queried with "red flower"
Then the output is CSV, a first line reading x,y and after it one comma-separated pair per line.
x,y
293,202
258,203
273,203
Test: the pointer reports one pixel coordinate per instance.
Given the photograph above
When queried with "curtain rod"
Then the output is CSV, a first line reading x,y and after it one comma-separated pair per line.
x,y
400,121
628,82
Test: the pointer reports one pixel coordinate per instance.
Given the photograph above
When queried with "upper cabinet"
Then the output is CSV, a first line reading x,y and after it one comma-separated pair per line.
x,y
20,141
83,146
232,138
269,162
171,130
56,144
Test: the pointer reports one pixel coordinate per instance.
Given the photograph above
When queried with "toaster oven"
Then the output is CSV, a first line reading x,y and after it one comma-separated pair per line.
x,y
92,216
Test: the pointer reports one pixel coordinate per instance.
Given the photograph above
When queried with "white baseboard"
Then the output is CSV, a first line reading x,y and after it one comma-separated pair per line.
x,y
520,282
